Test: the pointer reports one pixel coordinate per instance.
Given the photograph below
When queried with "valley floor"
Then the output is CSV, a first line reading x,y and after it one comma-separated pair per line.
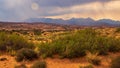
x,y
59,63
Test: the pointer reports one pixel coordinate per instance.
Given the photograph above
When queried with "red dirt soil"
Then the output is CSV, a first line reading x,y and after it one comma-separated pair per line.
x,y
59,63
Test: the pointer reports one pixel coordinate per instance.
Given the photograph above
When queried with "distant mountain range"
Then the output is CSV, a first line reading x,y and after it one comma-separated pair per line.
x,y
77,21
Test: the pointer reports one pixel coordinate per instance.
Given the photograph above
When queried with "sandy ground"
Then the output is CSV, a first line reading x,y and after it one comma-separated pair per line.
x,y
59,63
9,63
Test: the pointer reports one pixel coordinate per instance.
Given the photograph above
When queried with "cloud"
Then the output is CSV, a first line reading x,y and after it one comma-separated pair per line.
x,y
96,10
66,3
16,10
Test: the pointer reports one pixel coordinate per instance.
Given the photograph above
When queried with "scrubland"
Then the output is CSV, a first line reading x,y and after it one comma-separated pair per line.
x,y
80,48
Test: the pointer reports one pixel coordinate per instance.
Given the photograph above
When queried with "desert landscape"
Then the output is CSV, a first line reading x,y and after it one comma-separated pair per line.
x,y
59,33
37,38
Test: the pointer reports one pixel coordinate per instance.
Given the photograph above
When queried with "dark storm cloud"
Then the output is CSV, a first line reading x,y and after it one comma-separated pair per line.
x,y
14,10
65,3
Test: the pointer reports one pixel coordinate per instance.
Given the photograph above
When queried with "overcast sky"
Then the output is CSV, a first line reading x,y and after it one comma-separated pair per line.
x,y
15,10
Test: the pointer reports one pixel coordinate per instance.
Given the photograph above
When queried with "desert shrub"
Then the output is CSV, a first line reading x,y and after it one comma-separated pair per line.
x,y
24,32
95,61
88,66
39,64
115,63
17,42
44,50
21,66
2,46
26,54
113,44
93,58
9,42
77,43
68,46
37,32
3,59
3,38
117,30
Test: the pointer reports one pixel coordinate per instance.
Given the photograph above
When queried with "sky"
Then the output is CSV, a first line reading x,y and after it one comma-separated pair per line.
x,y
19,10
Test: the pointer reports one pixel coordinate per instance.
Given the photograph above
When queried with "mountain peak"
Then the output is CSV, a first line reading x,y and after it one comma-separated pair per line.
x,y
77,21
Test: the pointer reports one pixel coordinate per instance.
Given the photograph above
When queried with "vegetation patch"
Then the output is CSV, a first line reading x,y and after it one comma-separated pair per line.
x,y
3,59
26,54
39,64
13,42
77,43
117,30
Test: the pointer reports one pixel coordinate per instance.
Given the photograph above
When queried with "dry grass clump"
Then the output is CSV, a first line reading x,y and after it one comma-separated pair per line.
x,y
93,58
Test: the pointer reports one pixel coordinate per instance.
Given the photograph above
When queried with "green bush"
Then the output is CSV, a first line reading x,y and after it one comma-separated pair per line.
x,y
113,44
2,46
77,43
17,42
3,38
115,63
37,32
26,54
39,64
44,49
117,30
10,42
